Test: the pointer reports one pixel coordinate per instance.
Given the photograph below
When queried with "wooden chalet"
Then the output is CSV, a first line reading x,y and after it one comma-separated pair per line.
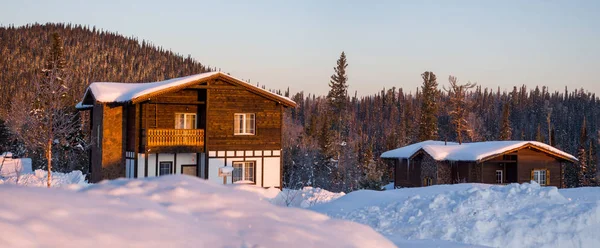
x,y
195,125
493,162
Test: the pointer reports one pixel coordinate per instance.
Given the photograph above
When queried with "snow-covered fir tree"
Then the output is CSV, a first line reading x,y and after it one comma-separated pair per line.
x,y
505,129
428,123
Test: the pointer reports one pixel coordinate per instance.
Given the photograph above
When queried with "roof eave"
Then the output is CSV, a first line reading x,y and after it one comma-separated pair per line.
x,y
528,145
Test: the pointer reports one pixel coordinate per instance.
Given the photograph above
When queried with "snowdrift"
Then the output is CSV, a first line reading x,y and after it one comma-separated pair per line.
x,y
167,211
517,215
302,198
39,179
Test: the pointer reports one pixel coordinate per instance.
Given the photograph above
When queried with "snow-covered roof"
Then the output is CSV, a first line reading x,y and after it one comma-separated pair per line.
x,y
80,105
476,151
112,92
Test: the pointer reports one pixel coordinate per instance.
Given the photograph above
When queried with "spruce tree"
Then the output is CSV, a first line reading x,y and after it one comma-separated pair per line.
x,y
505,130
338,85
582,157
324,168
428,129
371,178
592,168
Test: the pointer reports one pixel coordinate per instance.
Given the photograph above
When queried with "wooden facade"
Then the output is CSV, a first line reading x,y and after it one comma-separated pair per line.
x,y
515,166
143,136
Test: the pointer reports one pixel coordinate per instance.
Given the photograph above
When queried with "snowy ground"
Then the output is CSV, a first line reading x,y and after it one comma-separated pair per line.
x,y
168,211
39,178
525,215
464,215
304,198
180,211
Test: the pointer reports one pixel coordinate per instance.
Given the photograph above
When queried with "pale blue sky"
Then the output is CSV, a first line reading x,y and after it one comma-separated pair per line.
x,y
388,43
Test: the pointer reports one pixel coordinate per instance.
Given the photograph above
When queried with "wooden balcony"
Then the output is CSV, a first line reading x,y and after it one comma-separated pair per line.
x,y
175,140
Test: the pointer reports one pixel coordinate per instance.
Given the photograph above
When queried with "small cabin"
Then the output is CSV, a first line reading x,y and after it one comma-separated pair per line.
x,y
196,125
491,162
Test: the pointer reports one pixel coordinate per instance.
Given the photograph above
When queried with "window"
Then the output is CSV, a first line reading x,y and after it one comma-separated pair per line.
x,y
499,178
243,171
165,168
540,176
244,124
185,121
427,181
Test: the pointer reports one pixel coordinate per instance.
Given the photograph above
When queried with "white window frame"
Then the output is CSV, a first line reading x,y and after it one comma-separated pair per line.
x,y
185,117
244,118
501,174
537,176
244,166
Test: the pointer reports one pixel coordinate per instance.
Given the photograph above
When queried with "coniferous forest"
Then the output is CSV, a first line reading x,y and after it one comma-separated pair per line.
x,y
331,141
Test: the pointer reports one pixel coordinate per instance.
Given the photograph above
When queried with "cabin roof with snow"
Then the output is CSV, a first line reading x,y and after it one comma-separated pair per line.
x,y
111,92
476,151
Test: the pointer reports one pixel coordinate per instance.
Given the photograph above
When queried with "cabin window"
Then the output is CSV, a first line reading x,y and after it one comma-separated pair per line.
x,y
539,176
244,124
499,176
243,172
185,121
427,181
165,168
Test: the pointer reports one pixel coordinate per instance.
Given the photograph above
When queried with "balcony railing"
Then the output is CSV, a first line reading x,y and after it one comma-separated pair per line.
x,y
175,137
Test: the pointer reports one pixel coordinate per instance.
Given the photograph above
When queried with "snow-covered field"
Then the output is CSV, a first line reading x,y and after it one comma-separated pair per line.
x,y
168,211
517,215
464,215
181,211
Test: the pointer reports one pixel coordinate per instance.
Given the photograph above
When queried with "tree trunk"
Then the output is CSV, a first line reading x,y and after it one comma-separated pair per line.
x,y
49,155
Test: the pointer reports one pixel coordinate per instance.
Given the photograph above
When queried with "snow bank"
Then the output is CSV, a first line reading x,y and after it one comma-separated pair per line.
x,y
517,215
39,179
304,198
10,167
167,211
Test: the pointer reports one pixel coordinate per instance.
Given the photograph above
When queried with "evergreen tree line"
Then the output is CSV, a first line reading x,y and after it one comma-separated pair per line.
x,y
335,141
71,56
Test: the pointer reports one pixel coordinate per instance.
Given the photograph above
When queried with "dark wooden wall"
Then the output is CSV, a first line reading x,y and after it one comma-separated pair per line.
x,y
96,135
413,177
461,171
529,159
130,124
488,172
113,149
160,111
224,100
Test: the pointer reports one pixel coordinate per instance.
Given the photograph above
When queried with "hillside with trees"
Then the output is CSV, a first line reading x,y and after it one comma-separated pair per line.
x,y
83,55
332,141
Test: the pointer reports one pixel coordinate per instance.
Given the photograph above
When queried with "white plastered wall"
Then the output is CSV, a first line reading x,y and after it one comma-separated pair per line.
x,y
185,158
213,169
182,158
272,173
